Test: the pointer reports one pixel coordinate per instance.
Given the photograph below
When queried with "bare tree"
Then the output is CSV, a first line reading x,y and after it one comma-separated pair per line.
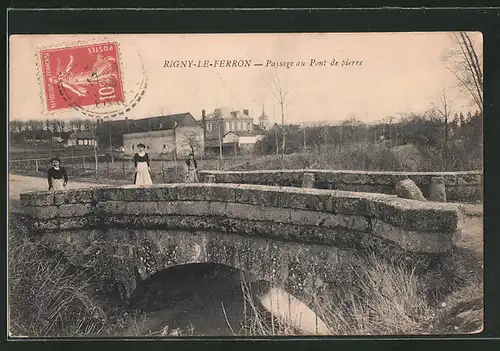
x,y
37,125
444,109
466,65
89,124
192,140
279,89
76,124
15,126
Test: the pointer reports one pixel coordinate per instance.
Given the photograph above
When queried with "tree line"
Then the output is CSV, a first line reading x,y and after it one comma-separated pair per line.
x,y
426,130
53,125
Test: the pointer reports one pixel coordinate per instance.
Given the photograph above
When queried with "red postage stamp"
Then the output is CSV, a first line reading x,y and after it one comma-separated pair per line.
x,y
81,76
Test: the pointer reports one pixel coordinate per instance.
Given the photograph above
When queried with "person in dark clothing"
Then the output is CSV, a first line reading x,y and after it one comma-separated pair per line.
x,y
142,169
57,176
192,170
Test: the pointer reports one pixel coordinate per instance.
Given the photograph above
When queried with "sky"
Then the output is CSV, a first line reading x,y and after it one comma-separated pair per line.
x,y
400,72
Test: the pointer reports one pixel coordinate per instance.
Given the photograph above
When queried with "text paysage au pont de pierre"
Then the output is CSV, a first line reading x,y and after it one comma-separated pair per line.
x,y
235,63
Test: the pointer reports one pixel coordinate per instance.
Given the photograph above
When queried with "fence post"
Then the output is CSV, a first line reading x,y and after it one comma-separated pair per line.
x,y
73,165
36,165
107,166
163,171
83,164
123,168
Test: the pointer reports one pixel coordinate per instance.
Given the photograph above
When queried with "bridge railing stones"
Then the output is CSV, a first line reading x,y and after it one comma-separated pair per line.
x,y
466,186
303,215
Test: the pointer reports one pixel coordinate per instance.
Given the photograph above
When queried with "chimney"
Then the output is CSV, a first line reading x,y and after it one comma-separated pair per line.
x,y
203,123
246,112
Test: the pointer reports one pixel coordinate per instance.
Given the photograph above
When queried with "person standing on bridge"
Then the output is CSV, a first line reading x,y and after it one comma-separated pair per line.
x,y
57,175
142,168
192,169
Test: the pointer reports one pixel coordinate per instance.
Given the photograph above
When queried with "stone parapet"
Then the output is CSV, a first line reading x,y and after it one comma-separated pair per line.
x,y
310,214
466,186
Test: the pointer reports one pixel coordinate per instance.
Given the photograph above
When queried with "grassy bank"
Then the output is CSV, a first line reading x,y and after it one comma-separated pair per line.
x,y
389,299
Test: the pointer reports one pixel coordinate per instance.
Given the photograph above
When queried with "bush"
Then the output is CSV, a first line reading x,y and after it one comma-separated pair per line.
x,y
46,296
386,298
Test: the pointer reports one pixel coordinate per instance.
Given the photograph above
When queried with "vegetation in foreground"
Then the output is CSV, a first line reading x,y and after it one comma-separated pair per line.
x,y
47,297
388,299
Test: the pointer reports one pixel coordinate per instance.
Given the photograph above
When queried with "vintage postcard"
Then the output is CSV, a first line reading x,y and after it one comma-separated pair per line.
x,y
168,185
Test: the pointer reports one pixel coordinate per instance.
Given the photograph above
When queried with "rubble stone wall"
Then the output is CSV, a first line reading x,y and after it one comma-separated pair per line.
x,y
460,186
302,239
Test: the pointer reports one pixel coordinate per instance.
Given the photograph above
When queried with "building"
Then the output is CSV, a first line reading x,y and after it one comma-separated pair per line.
x,y
169,136
263,120
78,138
233,130
242,141
224,119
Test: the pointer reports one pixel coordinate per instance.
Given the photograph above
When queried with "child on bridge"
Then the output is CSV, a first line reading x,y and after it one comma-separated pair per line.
x,y
192,169
57,175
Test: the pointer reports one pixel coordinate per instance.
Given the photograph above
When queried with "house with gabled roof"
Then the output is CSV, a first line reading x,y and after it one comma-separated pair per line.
x,y
169,136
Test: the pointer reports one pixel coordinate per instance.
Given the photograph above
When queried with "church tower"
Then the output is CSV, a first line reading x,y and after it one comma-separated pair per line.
x,y
263,120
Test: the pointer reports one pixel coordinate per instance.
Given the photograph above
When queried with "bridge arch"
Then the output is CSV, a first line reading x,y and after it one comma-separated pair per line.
x,y
305,239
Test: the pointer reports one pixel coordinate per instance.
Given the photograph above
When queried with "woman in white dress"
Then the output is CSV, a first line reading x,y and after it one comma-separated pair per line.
x,y
142,169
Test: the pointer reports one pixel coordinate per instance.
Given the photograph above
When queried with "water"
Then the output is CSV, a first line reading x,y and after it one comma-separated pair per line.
x,y
208,300
205,297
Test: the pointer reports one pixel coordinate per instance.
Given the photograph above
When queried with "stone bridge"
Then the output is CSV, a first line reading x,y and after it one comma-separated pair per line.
x,y
465,186
301,239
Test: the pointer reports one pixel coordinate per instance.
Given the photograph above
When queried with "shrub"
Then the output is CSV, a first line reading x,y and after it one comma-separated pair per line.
x,y
46,296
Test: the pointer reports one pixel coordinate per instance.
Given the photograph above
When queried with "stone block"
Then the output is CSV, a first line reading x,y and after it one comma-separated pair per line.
x,y
327,220
308,180
73,223
327,179
112,207
41,212
362,188
465,193
42,198
210,178
427,242
413,240
244,211
349,203
471,178
354,178
257,195
291,178
221,192
217,208
191,208
437,189
418,215
47,225
74,210
305,199
73,196
107,194
141,207
165,207
450,179
383,178
407,189
275,214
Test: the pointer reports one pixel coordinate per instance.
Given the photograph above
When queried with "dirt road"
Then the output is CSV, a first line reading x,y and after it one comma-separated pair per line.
x,y
19,184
